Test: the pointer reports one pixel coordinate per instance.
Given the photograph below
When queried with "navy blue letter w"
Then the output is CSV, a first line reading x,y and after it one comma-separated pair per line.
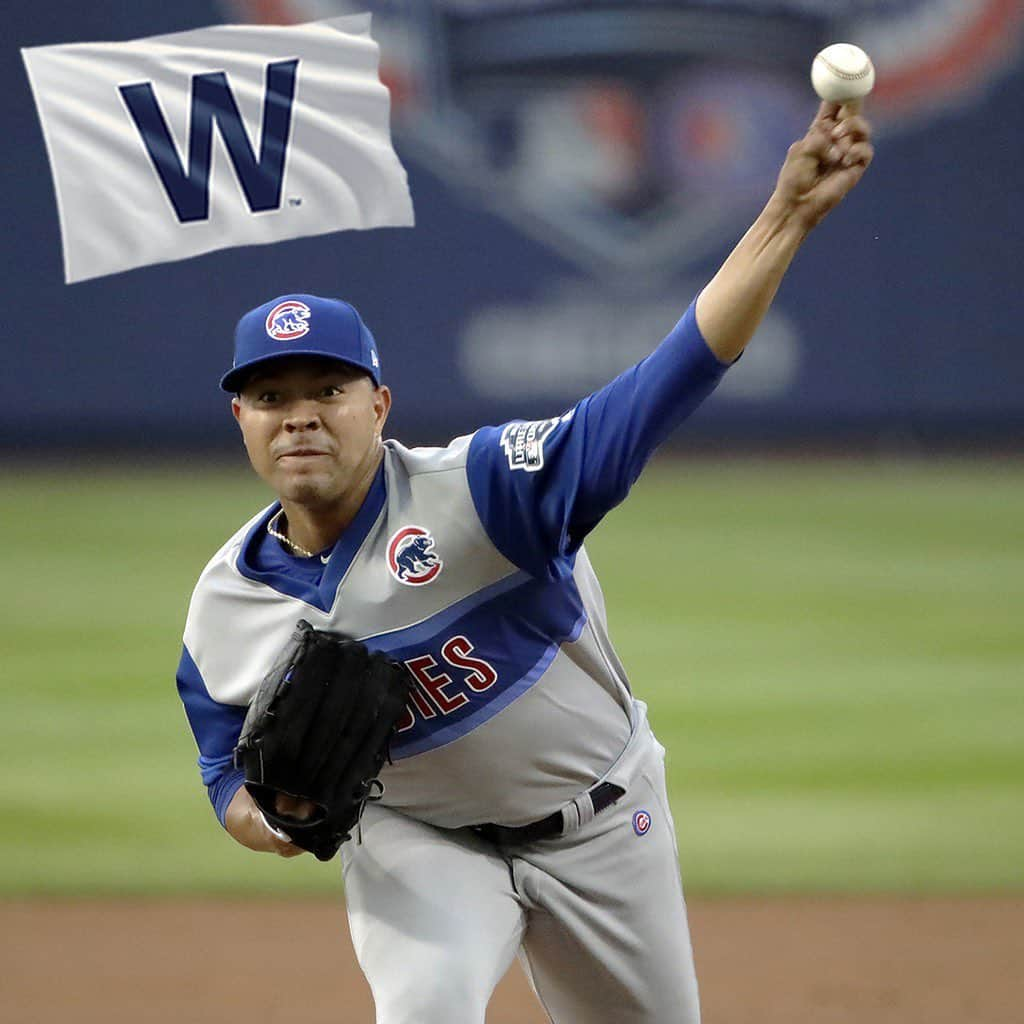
x,y
212,100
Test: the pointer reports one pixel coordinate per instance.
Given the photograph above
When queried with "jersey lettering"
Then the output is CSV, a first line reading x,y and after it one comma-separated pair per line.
x,y
440,690
434,685
482,676
422,704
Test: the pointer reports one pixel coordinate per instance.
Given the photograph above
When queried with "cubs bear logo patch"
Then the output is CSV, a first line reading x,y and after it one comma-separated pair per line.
x,y
288,320
412,559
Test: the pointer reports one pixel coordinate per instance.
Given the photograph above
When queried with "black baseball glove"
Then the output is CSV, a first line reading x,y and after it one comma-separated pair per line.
x,y
318,729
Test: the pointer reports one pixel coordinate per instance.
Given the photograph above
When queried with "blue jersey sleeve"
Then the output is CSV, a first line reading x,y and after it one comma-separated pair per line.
x,y
540,488
216,728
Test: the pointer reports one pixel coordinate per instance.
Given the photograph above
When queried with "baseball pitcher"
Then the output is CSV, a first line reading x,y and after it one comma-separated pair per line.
x,y
405,655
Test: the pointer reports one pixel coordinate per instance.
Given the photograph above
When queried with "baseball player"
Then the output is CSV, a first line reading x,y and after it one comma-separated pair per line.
x,y
525,809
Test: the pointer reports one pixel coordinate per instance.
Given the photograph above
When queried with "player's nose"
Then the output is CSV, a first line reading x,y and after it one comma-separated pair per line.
x,y
302,416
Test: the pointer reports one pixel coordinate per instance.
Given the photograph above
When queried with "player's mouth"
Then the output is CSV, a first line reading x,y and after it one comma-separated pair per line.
x,y
302,453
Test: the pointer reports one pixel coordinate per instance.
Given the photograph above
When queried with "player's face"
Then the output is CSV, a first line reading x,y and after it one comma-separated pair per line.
x,y
312,428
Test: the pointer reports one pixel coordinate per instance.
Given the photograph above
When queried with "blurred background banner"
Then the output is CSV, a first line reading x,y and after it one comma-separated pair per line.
x,y
579,169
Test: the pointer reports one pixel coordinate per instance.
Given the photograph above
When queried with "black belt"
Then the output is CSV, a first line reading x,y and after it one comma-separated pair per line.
x,y
603,795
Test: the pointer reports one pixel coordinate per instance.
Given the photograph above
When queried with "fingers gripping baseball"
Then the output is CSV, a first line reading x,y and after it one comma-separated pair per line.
x,y
826,164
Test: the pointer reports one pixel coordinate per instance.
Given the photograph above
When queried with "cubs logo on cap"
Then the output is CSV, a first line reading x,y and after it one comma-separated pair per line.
x,y
288,320
411,556
310,326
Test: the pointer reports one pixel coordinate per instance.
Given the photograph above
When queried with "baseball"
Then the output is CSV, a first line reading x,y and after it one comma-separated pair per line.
x,y
842,72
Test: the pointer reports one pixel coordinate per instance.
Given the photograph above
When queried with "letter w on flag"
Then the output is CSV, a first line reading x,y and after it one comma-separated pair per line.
x,y
176,145
212,100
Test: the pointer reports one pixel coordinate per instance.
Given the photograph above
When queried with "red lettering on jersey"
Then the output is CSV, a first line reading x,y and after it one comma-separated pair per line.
x,y
482,675
407,721
434,685
421,702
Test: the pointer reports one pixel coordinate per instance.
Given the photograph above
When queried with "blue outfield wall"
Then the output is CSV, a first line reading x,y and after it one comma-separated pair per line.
x,y
576,179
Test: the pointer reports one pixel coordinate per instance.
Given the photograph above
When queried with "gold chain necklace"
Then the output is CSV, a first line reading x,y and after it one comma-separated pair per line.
x,y
278,535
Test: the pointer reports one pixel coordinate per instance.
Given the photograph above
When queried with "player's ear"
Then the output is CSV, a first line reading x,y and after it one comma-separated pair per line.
x,y
381,405
236,407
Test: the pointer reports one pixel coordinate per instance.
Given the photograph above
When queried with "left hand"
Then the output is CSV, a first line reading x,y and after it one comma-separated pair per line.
x,y
294,807
823,166
245,824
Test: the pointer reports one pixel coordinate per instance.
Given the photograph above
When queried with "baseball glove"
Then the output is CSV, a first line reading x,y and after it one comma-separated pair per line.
x,y
318,729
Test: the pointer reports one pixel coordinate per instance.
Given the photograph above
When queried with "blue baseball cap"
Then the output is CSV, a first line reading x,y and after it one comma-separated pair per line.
x,y
301,325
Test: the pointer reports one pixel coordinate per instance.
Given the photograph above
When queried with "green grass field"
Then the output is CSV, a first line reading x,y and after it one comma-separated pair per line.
x,y
833,653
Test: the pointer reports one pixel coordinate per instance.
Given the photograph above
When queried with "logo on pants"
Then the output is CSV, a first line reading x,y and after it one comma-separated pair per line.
x,y
641,823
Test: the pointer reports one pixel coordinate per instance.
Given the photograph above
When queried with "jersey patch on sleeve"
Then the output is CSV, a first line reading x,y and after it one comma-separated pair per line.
x,y
523,443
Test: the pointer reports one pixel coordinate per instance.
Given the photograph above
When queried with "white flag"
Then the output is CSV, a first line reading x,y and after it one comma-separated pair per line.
x,y
175,145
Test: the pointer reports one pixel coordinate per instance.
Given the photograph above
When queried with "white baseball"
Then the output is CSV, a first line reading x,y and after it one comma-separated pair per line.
x,y
842,72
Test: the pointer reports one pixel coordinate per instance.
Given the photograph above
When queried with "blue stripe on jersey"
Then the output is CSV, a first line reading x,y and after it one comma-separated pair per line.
x,y
215,726
429,628
540,488
263,559
469,667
